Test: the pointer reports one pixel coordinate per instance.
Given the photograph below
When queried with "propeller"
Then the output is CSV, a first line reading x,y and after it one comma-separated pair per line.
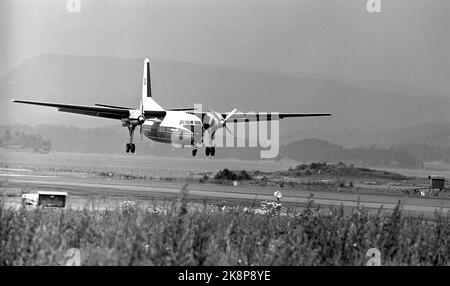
x,y
219,118
223,122
141,119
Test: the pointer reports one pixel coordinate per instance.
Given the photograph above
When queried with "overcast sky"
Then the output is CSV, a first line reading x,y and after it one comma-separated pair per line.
x,y
407,43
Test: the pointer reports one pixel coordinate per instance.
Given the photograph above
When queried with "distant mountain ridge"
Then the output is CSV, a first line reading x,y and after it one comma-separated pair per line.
x,y
312,150
112,139
428,133
117,81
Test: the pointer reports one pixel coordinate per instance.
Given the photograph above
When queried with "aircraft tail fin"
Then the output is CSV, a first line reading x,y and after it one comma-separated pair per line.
x,y
147,100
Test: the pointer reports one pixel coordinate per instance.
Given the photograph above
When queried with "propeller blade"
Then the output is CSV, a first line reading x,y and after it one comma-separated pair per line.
x,y
226,127
142,113
231,113
214,114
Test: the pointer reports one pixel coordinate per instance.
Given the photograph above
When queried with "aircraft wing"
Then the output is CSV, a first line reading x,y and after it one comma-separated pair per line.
x,y
263,116
107,112
266,116
99,111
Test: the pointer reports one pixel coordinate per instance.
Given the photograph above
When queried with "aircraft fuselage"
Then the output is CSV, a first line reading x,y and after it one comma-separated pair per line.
x,y
177,127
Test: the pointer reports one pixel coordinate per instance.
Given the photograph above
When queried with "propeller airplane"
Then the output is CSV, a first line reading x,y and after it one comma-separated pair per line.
x,y
181,126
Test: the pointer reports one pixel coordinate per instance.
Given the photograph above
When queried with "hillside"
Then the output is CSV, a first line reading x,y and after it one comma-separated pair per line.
x,y
88,80
430,133
309,150
112,139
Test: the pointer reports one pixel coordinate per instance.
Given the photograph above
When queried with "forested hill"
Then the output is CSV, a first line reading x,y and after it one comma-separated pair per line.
x,y
309,150
18,140
112,139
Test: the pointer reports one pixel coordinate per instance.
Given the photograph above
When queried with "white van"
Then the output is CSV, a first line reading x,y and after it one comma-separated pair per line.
x,y
46,199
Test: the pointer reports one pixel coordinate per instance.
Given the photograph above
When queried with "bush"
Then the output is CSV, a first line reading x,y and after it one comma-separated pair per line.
x,y
226,174
243,175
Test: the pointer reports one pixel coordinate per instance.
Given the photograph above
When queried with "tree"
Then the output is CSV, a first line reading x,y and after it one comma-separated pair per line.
x,y
8,136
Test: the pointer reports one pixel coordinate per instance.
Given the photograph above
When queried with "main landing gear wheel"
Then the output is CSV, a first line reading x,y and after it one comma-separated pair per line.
x,y
194,152
210,151
130,147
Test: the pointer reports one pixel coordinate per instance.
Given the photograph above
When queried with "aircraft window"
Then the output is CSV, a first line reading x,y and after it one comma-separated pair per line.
x,y
190,122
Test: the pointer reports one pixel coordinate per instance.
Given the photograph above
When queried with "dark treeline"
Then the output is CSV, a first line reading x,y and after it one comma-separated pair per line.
x,y
24,141
427,153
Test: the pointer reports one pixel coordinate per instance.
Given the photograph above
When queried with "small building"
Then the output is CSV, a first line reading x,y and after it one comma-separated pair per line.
x,y
437,182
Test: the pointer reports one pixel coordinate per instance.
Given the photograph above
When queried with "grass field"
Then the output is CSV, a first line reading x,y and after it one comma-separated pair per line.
x,y
149,166
178,235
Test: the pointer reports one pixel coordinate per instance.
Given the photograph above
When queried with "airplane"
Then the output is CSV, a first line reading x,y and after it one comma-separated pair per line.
x,y
180,126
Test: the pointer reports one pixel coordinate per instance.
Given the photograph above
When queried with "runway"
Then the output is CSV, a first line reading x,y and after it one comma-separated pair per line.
x,y
90,186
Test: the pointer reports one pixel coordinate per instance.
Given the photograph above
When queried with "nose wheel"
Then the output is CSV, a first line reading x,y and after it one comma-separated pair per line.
x,y
194,152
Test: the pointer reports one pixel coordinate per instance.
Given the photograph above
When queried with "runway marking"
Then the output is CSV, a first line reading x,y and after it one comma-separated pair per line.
x,y
27,175
14,170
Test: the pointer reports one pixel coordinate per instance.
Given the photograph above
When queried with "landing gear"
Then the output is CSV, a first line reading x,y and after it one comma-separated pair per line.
x,y
194,152
210,151
131,147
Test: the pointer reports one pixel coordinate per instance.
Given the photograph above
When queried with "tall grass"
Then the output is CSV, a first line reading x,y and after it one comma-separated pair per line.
x,y
179,236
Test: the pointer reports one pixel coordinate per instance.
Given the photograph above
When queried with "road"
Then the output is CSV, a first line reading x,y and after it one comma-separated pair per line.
x,y
90,185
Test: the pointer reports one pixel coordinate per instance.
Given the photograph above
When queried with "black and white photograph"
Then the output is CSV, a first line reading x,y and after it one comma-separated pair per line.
x,y
242,135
